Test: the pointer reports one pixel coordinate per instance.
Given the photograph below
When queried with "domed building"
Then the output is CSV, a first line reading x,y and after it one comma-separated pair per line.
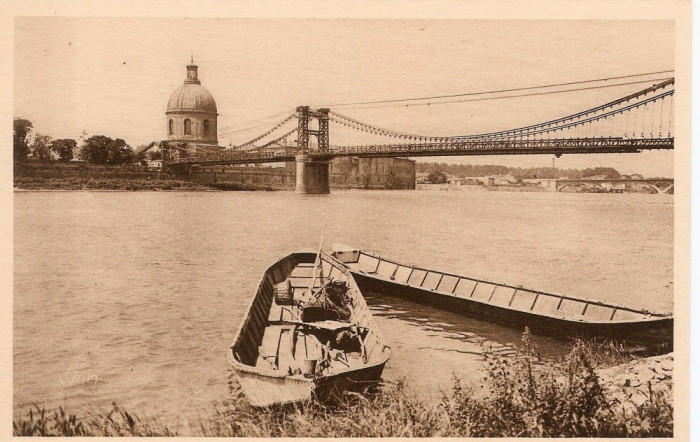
x,y
191,114
191,127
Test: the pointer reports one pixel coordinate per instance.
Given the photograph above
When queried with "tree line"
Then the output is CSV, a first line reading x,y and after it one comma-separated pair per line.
x,y
473,170
97,149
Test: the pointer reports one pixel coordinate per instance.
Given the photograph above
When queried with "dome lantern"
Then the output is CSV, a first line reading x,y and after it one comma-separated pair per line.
x,y
192,73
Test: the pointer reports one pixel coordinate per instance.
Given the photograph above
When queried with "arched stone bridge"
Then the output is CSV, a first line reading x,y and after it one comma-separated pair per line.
x,y
620,185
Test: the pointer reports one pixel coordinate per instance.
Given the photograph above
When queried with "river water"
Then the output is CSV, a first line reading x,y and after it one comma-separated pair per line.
x,y
135,297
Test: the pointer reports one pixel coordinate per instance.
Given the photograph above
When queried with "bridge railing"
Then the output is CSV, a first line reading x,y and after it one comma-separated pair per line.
x,y
544,145
515,144
233,156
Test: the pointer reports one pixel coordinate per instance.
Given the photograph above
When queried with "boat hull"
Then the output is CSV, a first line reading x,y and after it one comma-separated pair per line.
x,y
558,316
655,335
359,380
275,340
264,390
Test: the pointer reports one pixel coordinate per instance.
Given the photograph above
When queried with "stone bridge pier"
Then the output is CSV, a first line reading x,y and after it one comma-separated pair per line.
x,y
312,175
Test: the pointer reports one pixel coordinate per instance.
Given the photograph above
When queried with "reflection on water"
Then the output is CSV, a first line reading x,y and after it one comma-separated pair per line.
x,y
430,346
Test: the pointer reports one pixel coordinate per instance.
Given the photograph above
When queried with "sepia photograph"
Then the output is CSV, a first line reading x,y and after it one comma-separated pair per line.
x,y
329,225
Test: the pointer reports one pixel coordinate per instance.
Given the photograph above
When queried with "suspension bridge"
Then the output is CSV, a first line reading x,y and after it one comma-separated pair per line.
x,y
629,124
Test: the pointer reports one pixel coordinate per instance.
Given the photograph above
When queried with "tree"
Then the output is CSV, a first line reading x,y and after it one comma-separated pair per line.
x,y
473,170
155,155
64,148
121,153
437,177
41,147
99,149
20,134
608,172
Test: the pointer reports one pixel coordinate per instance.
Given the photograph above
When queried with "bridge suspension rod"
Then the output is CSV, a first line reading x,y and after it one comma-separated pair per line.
x,y
276,140
576,115
591,119
381,131
260,137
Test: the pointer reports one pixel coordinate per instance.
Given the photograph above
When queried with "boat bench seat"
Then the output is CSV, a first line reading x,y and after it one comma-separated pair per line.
x,y
268,352
307,347
330,325
283,313
280,349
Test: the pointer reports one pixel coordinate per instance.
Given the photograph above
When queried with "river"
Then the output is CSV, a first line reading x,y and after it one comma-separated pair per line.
x,y
134,297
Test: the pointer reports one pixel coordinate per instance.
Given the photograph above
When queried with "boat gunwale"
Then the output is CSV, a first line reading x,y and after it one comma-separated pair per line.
x,y
650,316
300,377
246,315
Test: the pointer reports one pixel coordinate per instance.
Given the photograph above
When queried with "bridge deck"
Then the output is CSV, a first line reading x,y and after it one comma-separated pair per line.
x,y
458,148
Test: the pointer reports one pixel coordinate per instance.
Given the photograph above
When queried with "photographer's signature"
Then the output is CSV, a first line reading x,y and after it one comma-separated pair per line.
x,y
74,378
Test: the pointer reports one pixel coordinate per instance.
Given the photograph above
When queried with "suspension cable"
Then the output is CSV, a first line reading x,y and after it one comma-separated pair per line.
x,y
596,118
260,137
578,114
379,130
268,144
546,127
244,129
498,91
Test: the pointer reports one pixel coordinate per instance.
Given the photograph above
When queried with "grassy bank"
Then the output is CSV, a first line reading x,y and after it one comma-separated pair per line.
x,y
520,397
73,183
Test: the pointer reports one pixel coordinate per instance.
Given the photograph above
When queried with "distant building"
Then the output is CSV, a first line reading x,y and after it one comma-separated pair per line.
x,y
455,180
156,164
191,114
500,180
153,147
372,173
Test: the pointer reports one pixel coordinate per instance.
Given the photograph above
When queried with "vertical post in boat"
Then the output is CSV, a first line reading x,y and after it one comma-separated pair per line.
x,y
317,262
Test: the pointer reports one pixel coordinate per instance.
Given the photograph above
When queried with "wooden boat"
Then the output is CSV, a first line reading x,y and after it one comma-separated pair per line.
x,y
545,313
295,343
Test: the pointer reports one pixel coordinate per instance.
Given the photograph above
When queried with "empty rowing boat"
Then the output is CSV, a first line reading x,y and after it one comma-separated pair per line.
x,y
307,332
555,315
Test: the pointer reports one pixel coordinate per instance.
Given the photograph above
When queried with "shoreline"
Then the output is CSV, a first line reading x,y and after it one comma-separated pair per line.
x,y
167,186
75,184
479,188
595,392
90,179
20,190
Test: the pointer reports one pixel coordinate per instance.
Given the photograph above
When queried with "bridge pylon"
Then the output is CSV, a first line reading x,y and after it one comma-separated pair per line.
x,y
304,115
312,175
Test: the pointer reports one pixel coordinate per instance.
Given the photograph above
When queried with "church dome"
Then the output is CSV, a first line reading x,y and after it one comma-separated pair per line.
x,y
191,115
191,96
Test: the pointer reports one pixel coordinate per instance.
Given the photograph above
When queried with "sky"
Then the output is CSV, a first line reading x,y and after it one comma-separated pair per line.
x,y
114,76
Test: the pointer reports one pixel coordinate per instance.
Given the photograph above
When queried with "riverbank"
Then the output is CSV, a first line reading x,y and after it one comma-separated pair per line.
x,y
123,184
29,183
50,175
521,396
480,188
